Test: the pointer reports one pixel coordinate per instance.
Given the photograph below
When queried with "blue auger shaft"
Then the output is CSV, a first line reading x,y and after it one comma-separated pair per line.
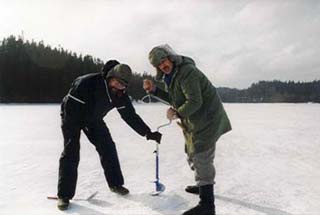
x,y
157,156
157,167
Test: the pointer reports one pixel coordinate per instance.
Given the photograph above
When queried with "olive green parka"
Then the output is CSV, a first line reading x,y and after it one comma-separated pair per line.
x,y
202,115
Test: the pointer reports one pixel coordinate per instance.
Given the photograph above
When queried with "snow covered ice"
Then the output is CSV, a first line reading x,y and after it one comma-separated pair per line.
x,y
268,165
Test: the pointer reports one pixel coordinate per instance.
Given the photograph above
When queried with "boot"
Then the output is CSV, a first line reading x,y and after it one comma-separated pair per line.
x,y
63,204
192,189
119,190
206,205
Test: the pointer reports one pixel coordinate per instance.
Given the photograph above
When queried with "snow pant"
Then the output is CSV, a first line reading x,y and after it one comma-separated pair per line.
x,y
203,166
99,135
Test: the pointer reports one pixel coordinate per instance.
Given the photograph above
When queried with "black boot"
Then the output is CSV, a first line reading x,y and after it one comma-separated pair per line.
x,y
192,189
206,205
121,190
63,204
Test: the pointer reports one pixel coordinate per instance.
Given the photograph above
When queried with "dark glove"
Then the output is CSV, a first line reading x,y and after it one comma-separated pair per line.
x,y
156,136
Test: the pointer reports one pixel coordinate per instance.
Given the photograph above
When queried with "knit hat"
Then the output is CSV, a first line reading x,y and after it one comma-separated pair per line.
x,y
122,72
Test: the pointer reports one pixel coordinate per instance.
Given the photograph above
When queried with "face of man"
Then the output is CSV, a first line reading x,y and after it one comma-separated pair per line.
x,y
166,66
117,88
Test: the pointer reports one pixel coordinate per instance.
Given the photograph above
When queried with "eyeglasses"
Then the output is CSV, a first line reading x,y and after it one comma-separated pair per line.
x,y
118,84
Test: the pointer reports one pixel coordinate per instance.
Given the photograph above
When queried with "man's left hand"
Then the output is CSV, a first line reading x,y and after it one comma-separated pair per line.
x,y
172,114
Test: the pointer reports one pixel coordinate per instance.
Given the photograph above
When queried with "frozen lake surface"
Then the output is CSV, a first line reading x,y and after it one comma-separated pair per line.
x,y
268,165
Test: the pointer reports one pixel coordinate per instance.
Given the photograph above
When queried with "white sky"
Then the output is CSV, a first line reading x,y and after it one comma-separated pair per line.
x,y
235,43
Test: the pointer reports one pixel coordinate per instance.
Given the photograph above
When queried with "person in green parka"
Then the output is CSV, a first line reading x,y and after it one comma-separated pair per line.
x,y
197,105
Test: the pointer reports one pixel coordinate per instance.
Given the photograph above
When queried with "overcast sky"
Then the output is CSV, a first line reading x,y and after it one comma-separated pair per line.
x,y
235,43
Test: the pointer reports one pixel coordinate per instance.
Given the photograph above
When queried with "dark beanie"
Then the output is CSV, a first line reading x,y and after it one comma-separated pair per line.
x,y
108,66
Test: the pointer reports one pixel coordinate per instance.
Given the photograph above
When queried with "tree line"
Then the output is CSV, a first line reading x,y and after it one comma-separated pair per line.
x,y
36,73
274,91
32,72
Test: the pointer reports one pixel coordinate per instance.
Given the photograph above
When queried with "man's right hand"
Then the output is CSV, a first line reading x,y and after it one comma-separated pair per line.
x,y
149,86
156,136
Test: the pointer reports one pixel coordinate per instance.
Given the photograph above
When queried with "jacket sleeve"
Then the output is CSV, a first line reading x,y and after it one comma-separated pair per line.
x,y
76,102
191,89
79,91
129,115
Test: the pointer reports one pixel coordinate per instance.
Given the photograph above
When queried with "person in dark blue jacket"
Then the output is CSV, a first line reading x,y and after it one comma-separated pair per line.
x,y
90,98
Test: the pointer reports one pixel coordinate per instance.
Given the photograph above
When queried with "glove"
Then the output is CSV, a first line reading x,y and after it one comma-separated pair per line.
x,y
156,136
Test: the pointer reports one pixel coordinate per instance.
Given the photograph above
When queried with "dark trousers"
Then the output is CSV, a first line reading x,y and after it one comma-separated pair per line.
x,y
100,137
